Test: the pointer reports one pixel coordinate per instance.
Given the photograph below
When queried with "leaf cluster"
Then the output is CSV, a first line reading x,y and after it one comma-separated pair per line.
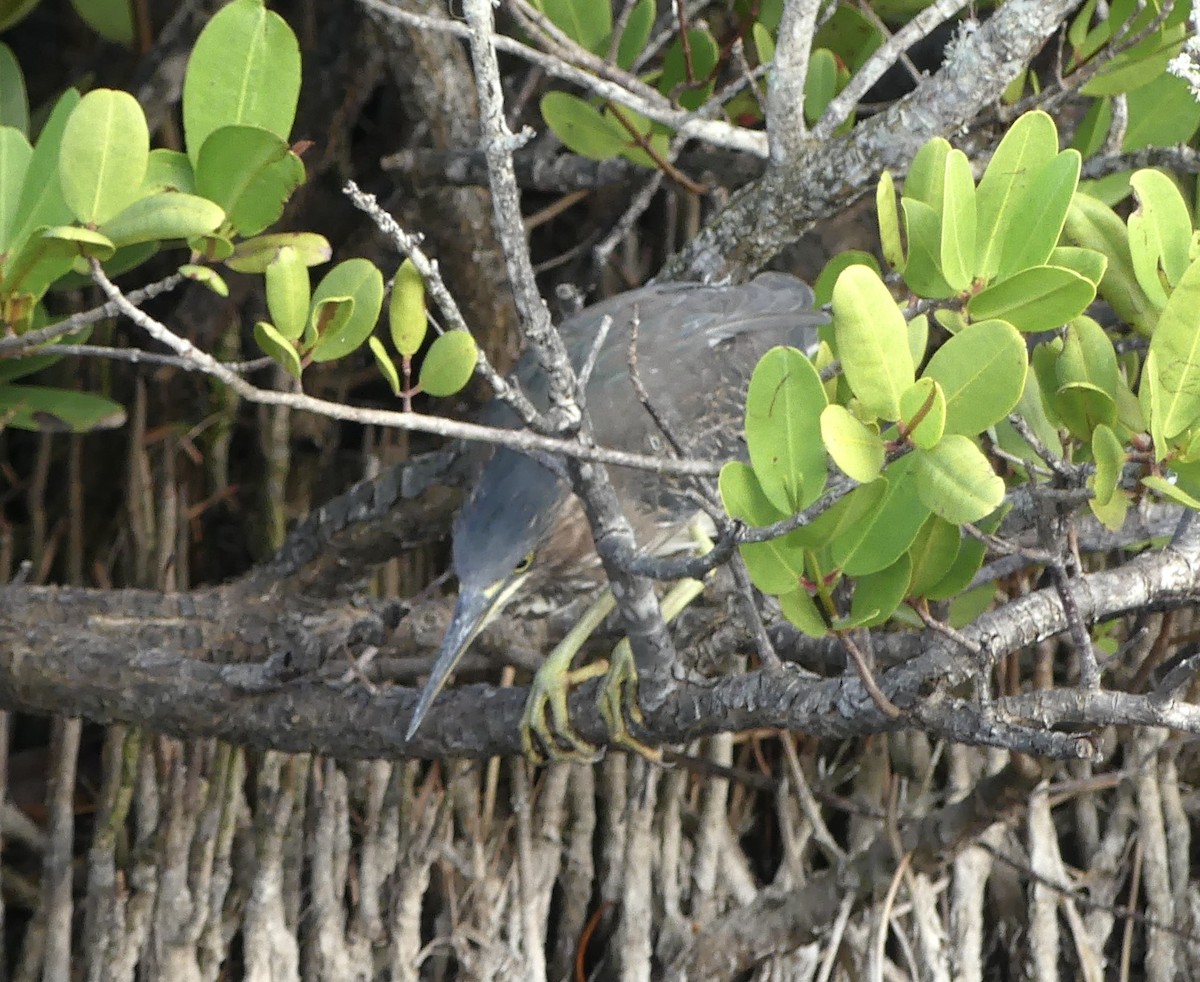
x,y
90,188
935,419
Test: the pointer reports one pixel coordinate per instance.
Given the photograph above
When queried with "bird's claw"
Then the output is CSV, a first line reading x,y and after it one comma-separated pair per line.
x,y
546,715
618,702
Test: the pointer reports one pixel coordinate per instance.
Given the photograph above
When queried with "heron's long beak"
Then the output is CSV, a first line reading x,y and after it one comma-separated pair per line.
x,y
472,612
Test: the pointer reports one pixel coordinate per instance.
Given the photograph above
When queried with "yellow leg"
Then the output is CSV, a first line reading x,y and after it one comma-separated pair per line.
x,y
546,713
619,696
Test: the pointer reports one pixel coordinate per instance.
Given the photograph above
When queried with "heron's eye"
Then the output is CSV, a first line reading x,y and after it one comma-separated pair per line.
x,y
524,564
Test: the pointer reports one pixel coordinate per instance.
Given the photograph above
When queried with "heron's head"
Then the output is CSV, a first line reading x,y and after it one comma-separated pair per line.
x,y
501,539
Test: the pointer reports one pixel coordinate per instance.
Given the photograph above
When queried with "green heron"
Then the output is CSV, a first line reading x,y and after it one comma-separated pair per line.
x,y
523,534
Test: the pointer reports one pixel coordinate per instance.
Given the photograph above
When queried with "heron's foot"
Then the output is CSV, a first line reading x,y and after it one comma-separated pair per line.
x,y
619,703
547,716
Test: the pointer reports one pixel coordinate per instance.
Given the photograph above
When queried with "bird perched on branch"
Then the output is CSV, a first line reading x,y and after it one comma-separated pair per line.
x,y
523,534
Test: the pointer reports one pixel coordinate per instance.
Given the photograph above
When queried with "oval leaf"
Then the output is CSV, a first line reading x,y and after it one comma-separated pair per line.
x,y
278,347
251,173
256,254
982,373
407,316
872,341
923,412
104,154
955,481
1175,347
46,410
449,363
854,447
165,215
244,70
386,366
783,429
1039,298
288,293
362,281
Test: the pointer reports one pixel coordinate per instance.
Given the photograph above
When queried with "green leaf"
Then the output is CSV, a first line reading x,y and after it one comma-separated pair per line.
x,y
1163,486
800,609
244,70
1088,263
933,554
1112,515
582,128
1088,356
704,55
1151,399
165,215
1160,233
1039,298
288,293
1092,224
775,566
111,19
889,223
923,272
636,34
278,347
883,535
386,366
329,316
37,264
587,23
104,154
957,258
820,86
46,410
1138,66
250,173
42,201
982,372
783,429
361,280
212,248
850,35
924,398
1175,347
877,595
14,103
955,481
448,364
918,337
206,276
823,287
1028,146
168,170
647,132
256,254
407,315
1163,113
1110,459
971,553
15,154
927,174
1042,210
854,447
86,242
872,341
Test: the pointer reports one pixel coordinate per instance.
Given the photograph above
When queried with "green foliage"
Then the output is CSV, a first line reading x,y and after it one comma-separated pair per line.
x,y
91,188
1022,251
